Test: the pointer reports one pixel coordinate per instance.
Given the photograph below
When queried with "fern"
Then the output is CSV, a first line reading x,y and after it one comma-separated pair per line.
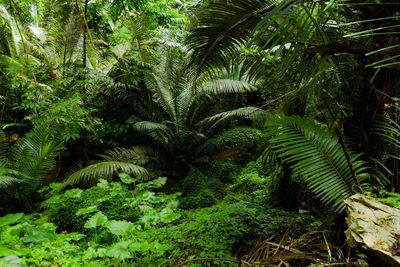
x,y
23,165
117,160
314,153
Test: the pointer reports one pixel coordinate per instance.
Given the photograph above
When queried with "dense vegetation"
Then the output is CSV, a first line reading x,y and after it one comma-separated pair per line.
x,y
194,133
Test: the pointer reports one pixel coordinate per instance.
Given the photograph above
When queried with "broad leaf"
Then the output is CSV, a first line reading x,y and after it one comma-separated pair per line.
x,y
120,228
45,232
96,220
126,179
10,219
120,250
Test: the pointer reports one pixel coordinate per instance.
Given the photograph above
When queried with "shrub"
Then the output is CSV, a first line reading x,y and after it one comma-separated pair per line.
x,y
199,190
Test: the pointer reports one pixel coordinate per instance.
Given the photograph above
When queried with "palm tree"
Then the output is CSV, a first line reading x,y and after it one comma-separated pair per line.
x,y
352,43
177,118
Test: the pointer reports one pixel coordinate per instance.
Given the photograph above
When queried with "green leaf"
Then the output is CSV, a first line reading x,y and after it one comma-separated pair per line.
x,y
135,246
168,215
4,251
120,228
86,210
126,179
96,220
159,182
120,250
45,232
73,193
72,236
10,219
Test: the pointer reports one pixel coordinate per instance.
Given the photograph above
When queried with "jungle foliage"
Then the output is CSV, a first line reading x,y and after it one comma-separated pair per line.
x,y
193,133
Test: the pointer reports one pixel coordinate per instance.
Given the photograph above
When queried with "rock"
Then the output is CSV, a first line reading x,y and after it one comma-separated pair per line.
x,y
374,227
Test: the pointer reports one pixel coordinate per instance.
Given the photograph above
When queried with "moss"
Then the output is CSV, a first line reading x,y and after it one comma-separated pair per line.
x,y
223,170
390,198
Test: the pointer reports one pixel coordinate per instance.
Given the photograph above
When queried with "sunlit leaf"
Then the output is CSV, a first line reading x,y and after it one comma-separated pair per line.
x,y
96,220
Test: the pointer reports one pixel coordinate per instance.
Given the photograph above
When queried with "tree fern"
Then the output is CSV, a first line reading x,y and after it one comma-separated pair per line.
x,y
314,153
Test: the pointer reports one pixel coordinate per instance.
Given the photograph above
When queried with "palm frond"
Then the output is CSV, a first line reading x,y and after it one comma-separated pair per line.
x,y
222,26
136,155
378,28
388,131
15,34
105,169
159,132
8,181
113,161
224,86
245,112
314,153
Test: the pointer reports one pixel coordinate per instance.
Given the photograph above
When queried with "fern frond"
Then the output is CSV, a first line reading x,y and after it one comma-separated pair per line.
x,y
136,155
314,153
105,169
387,134
34,154
10,177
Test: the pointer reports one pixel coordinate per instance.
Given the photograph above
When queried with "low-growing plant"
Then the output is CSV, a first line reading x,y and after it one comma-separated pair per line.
x,y
71,209
33,241
252,182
